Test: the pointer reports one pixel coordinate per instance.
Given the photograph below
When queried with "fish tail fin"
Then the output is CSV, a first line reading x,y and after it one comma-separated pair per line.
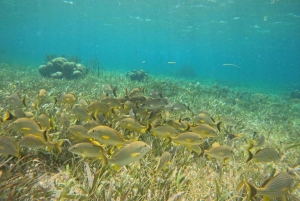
x,y
144,90
45,136
24,101
219,126
168,140
115,91
8,116
36,105
252,190
126,92
110,151
52,123
160,94
187,126
58,145
132,137
189,109
103,158
149,127
55,101
93,116
202,152
250,156
250,145
18,155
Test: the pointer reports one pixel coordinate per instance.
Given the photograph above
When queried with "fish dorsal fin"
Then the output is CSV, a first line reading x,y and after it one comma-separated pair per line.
x,y
215,144
73,95
266,182
259,151
127,143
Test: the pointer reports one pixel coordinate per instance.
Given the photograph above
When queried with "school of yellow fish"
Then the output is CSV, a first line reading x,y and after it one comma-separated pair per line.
x,y
111,128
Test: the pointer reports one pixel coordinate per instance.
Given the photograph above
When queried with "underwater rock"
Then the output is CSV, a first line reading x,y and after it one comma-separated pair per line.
x,y
57,75
295,94
138,75
59,61
68,68
61,68
76,74
81,68
43,70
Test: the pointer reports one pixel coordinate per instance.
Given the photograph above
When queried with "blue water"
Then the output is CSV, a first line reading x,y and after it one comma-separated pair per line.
x,y
262,37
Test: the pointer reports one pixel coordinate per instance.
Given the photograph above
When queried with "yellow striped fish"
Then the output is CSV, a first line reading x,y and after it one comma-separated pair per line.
x,y
9,146
277,186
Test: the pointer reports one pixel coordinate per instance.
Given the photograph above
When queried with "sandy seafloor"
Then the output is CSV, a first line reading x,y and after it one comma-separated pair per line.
x,y
44,176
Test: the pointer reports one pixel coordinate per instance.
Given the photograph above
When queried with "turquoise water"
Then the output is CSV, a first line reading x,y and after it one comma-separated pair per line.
x,y
259,36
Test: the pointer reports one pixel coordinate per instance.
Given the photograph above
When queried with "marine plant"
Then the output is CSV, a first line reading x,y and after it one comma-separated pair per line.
x,y
47,175
95,65
73,58
49,57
